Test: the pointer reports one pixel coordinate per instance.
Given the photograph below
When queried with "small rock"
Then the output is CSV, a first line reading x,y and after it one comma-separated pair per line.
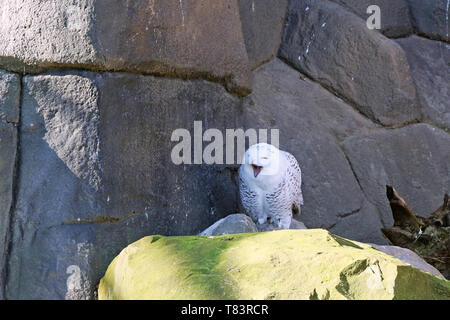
x,y
409,257
234,223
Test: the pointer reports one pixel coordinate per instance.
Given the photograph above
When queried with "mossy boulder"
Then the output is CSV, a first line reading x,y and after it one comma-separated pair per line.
x,y
285,264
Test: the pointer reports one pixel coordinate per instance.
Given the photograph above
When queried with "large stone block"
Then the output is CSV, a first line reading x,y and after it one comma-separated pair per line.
x,y
163,37
312,121
413,159
262,26
335,47
9,119
431,18
96,172
279,265
430,61
395,17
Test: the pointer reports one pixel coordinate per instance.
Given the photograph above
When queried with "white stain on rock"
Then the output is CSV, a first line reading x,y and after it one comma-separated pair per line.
x,y
182,13
73,281
307,47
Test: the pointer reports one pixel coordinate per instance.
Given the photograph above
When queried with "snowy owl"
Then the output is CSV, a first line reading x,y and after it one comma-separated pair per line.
x,y
270,185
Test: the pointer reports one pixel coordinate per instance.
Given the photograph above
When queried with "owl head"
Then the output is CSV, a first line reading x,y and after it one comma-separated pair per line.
x,y
261,160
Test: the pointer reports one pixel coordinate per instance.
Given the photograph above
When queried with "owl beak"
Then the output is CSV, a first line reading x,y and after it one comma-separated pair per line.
x,y
256,170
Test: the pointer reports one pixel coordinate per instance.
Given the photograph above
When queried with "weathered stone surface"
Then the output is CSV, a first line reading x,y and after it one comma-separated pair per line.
x,y
312,121
42,33
96,156
9,97
8,150
431,18
234,223
413,159
430,66
363,223
69,259
286,264
170,37
262,26
335,47
191,196
395,18
409,257
9,118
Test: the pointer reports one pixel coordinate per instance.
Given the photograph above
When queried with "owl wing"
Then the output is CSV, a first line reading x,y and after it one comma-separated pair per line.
x,y
249,198
294,180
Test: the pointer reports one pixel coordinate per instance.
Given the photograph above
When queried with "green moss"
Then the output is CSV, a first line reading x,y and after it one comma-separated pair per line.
x,y
411,283
287,264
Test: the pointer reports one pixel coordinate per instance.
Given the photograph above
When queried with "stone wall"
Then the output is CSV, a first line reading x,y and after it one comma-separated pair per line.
x,y
91,91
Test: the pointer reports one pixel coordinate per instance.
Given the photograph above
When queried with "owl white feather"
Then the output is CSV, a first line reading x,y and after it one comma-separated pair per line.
x,y
270,185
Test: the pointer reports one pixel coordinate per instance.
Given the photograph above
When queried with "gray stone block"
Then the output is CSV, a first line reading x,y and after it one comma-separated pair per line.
x,y
262,26
430,18
96,172
430,66
413,159
334,47
161,37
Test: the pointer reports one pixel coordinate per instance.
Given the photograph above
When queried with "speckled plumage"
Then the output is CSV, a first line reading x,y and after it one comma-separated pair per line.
x,y
271,198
